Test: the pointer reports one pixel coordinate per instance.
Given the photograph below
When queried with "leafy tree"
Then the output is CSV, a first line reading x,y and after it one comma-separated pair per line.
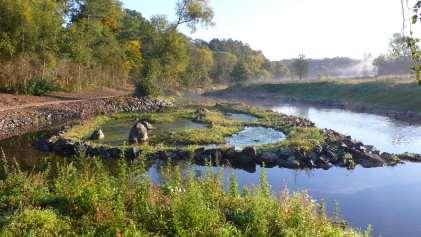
x,y
224,63
279,69
253,61
194,12
398,60
241,72
200,65
300,66
30,26
398,46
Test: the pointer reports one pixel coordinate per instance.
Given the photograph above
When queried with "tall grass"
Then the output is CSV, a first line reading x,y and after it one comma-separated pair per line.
x,y
85,198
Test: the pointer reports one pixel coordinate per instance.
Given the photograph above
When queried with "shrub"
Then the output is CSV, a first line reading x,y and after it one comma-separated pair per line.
x,y
36,222
146,87
35,86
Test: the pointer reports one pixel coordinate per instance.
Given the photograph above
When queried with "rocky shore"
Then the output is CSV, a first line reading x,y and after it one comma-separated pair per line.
x,y
16,122
339,150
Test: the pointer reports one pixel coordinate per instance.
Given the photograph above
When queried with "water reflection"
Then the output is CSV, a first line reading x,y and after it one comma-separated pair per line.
x,y
384,133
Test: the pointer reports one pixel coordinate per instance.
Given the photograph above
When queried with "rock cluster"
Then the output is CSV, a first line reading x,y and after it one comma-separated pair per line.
x,y
339,151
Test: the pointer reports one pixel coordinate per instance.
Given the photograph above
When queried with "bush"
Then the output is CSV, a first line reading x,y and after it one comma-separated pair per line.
x,y
35,86
39,86
36,222
146,87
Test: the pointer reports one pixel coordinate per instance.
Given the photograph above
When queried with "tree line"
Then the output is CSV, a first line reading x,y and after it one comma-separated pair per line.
x,y
75,44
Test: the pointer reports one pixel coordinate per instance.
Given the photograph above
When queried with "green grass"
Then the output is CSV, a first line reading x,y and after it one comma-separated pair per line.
x,y
305,139
84,198
389,94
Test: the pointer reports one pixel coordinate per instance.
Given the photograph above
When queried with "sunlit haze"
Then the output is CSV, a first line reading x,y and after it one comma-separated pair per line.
x,y
284,28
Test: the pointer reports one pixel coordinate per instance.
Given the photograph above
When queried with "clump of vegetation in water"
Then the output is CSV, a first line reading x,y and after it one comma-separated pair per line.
x,y
304,139
84,198
217,127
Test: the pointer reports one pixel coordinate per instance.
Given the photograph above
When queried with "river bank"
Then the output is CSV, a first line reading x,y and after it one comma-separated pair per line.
x,y
392,98
48,115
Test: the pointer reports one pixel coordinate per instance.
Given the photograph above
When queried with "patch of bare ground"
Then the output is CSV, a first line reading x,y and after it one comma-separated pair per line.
x,y
13,102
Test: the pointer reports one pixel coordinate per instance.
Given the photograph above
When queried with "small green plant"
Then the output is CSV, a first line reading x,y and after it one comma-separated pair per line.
x,y
305,139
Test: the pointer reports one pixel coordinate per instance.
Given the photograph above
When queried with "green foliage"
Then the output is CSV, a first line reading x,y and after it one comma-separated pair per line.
x,y
91,43
241,73
35,86
247,64
200,65
146,87
224,63
193,12
37,222
86,199
305,139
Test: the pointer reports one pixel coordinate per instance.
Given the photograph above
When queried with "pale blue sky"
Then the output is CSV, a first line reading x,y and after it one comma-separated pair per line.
x,y
284,28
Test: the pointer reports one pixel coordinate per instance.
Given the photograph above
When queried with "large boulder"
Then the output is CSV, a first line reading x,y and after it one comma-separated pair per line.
x,y
269,159
391,159
290,163
97,135
366,159
138,133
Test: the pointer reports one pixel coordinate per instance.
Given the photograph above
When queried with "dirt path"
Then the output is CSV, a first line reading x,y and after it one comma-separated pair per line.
x,y
9,102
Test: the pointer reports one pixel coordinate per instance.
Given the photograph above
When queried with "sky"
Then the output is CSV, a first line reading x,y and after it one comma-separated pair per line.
x,y
284,28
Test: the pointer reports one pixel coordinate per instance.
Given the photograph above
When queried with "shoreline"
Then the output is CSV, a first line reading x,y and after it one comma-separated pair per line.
x,y
266,100
19,121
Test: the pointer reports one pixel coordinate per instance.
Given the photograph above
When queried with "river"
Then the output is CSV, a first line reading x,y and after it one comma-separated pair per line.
x,y
387,198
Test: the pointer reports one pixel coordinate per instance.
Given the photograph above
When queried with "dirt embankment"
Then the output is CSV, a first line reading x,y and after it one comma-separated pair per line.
x,y
24,118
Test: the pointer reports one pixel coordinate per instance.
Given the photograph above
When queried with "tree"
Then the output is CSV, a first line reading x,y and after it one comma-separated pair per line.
x,y
398,46
198,70
224,63
241,72
194,12
398,60
411,41
279,69
300,66
29,26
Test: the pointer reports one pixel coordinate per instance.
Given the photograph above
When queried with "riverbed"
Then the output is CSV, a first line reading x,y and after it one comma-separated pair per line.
x,y
387,198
